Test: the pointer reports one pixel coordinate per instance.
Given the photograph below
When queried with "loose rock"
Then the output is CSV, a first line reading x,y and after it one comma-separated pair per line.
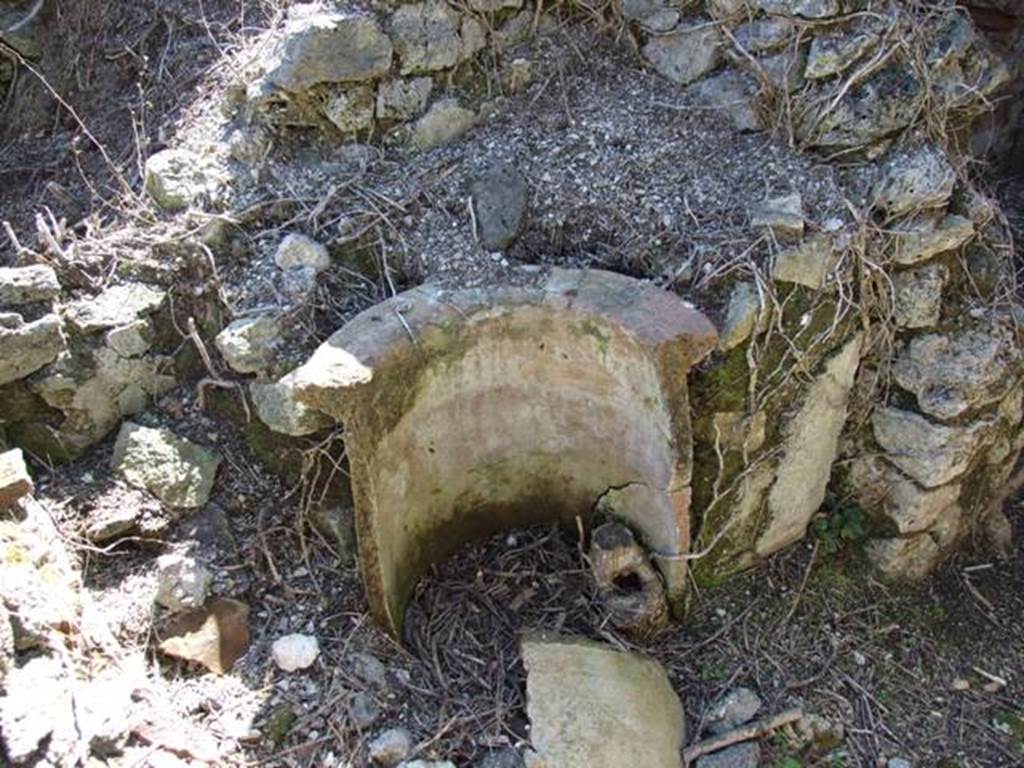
x,y
322,46
391,747
182,582
24,285
809,263
176,471
499,201
444,121
426,37
131,340
740,317
922,239
932,454
954,373
738,706
27,347
686,55
403,99
810,447
278,408
297,250
295,652
352,110
830,55
216,635
111,523
762,35
248,344
175,178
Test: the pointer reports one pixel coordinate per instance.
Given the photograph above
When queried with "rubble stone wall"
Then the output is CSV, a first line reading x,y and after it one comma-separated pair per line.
x,y
874,363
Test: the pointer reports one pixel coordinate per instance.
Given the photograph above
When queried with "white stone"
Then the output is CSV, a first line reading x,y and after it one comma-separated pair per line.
x,y
182,582
175,178
810,446
295,652
297,250
248,344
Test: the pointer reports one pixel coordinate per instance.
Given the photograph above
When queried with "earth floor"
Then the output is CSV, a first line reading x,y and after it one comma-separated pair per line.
x,y
908,671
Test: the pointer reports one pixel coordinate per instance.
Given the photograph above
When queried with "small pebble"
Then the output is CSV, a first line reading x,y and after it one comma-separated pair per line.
x,y
295,652
391,747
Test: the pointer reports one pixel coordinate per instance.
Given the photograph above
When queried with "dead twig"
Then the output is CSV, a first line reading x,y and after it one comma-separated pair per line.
x,y
746,732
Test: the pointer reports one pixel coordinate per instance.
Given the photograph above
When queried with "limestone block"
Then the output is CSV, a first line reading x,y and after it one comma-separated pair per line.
x,y
685,55
918,295
323,46
27,347
24,285
921,239
175,470
809,448
953,373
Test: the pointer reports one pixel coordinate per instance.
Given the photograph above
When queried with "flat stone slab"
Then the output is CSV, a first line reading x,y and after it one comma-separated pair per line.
x,y
591,706
116,306
472,411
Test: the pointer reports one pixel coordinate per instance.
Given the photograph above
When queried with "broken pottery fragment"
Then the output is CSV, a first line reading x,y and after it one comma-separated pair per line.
x,y
216,635
472,411
592,706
